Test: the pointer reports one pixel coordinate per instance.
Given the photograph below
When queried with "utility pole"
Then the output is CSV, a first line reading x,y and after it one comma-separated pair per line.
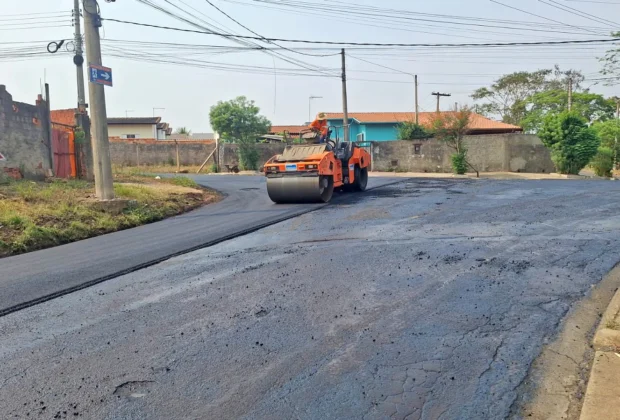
x,y
345,108
416,100
616,136
102,166
439,95
570,93
78,59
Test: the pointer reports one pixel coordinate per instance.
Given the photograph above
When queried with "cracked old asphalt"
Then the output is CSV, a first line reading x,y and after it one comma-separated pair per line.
x,y
426,299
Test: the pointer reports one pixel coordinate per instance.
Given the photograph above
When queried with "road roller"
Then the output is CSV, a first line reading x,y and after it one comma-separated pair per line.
x,y
309,173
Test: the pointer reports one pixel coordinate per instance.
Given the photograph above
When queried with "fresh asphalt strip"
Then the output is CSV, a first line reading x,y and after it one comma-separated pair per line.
x,y
27,304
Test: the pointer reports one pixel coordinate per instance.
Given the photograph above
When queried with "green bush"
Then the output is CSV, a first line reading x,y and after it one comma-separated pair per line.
x,y
213,168
603,162
409,130
248,156
571,142
459,163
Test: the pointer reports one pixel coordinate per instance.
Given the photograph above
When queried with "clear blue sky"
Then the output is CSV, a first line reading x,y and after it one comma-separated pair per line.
x,y
187,93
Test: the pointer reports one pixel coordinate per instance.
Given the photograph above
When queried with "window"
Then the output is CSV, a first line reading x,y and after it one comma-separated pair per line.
x,y
360,137
417,149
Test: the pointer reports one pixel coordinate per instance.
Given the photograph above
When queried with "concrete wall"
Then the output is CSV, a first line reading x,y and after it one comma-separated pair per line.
x,y
487,153
24,136
141,131
228,153
159,152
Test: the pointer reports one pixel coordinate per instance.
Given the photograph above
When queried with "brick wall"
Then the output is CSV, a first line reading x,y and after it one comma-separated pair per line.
x,y
24,136
488,153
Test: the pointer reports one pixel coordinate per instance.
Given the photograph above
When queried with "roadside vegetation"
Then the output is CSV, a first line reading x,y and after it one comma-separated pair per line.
x,y
37,215
238,121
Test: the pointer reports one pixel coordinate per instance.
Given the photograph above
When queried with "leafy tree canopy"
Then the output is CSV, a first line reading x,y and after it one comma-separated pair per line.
x,y
507,97
590,106
238,120
571,141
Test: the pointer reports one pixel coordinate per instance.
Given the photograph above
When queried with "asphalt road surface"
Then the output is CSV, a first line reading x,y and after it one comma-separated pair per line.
x,y
427,299
41,274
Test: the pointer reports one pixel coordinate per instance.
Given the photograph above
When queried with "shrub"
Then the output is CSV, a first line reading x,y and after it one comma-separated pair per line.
x,y
603,162
248,156
409,130
571,142
459,163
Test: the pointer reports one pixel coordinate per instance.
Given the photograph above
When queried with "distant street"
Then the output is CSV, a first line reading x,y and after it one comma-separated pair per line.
x,y
427,299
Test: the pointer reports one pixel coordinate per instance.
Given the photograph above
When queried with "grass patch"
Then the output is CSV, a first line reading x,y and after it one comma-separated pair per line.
x,y
150,170
612,325
37,215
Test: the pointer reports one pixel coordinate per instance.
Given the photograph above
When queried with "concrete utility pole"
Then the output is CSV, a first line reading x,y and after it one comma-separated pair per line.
x,y
101,148
439,95
616,136
78,59
416,100
345,107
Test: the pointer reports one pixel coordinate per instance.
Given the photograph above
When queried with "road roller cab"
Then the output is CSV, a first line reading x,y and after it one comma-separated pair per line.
x,y
311,172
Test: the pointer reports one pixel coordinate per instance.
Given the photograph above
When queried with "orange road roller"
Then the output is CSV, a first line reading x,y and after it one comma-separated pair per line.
x,y
309,173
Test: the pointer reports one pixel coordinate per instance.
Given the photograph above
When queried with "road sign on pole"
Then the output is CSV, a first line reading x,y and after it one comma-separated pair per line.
x,y
100,75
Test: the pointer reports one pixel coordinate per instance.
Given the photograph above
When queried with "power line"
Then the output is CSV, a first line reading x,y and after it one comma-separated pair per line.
x,y
599,19
304,41
573,11
542,17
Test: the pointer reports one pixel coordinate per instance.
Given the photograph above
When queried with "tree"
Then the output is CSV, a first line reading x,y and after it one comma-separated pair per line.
x,y
590,106
183,130
238,121
451,128
504,98
507,98
571,142
409,130
609,133
611,64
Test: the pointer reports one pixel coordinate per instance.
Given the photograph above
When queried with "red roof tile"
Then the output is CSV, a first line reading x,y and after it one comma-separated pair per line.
x,y
478,122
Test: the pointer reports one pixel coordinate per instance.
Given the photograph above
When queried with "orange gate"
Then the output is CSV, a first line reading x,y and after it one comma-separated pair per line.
x,y
63,148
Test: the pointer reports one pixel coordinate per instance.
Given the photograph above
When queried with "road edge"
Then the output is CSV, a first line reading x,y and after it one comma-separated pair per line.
x,y
602,397
60,293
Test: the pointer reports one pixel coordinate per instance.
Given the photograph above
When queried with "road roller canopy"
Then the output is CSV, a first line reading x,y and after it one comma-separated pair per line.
x,y
300,152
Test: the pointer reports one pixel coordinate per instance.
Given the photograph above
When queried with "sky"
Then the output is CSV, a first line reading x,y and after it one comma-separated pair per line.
x,y
158,68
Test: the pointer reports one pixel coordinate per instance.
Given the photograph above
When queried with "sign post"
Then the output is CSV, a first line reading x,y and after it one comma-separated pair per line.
x,y
100,75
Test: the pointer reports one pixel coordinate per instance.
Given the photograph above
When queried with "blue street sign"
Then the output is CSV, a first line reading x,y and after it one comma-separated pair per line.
x,y
100,75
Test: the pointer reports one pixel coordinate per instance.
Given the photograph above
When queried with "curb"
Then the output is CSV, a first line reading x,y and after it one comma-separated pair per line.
x,y
602,398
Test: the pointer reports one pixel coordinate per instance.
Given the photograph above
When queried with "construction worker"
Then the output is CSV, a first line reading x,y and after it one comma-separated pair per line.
x,y
319,126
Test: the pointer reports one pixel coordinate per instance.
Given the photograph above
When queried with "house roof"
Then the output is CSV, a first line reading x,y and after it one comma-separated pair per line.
x,y
478,122
63,116
134,120
292,129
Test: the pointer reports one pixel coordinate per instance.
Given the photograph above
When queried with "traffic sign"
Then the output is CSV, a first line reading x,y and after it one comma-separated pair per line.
x,y
100,75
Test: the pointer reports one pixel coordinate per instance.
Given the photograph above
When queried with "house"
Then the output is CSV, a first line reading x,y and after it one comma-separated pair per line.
x,y
383,126
138,128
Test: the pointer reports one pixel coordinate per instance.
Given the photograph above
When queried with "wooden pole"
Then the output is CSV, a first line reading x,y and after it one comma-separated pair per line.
x,y
176,143
206,160
417,121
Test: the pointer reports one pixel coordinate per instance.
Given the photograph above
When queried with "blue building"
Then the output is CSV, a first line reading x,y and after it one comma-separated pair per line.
x,y
383,126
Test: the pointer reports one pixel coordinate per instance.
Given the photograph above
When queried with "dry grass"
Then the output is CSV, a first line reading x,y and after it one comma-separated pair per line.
x,y
612,325
36,215
149,170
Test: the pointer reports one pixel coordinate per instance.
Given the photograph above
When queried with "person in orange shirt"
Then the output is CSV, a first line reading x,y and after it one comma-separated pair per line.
x,y
319,125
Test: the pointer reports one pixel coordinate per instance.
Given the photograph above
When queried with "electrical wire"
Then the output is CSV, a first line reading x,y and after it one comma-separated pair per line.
x,y
305,41
574,12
